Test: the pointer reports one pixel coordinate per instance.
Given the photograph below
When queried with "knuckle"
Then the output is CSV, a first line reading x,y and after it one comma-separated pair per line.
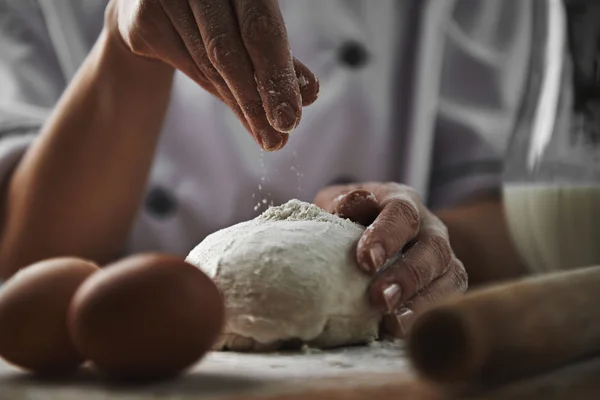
x,y
429,296
222,52
414,279
210,71
441,247
257,28
436,223
396,187
460,277
201,55
405,209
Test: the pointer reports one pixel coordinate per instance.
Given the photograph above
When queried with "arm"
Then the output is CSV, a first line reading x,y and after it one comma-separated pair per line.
x,y
78,187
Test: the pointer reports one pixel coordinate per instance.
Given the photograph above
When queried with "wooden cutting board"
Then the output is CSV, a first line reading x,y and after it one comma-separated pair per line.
x,y
378,371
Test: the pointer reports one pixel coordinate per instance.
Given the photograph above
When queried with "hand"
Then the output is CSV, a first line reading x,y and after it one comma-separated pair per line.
x,y
235,49
397,220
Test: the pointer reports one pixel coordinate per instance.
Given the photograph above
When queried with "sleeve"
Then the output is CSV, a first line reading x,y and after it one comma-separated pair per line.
x,y
485,66
30,78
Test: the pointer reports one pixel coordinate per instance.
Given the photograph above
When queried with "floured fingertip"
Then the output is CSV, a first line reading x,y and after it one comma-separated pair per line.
x,y
309,91
275,144
285,118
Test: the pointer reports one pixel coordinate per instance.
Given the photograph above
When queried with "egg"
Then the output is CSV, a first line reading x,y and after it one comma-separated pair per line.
x,y
149,316
33,315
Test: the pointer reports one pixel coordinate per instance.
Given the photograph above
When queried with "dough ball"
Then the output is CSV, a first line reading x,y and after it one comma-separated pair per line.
x,y
290,275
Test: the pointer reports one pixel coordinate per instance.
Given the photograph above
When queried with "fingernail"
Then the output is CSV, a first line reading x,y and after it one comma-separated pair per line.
x,y
271,141
405,318
391,295
302,81
285,118
377,255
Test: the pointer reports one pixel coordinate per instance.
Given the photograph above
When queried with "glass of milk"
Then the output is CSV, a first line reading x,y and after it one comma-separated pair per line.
x,y
552,167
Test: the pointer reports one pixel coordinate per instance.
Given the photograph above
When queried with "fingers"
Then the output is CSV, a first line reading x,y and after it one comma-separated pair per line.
x,y
182,20
308,83
165,35
453,282
393,325
225,50
238,51
359,206
235,49
429,258
396,225
242,55
264,35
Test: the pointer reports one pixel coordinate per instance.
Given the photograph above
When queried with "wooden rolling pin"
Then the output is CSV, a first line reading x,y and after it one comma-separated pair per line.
x,y
578,381
511,330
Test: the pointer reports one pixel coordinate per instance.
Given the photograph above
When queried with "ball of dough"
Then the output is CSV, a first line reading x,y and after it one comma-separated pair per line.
x,y
290,275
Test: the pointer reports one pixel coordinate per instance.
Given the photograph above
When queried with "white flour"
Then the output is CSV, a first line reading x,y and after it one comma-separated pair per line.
x,y
296,210
378,357
290,274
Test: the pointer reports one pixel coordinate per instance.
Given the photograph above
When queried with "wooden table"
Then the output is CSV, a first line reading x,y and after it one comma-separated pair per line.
x,y
377,371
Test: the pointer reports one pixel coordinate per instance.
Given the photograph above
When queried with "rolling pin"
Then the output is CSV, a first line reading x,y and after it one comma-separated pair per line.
x,y
509,331
578,381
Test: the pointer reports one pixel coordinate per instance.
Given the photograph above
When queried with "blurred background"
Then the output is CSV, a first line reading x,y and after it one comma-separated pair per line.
x,y
455,98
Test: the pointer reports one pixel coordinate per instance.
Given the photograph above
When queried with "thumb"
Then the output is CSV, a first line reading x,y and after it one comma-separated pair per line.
x,y
360,206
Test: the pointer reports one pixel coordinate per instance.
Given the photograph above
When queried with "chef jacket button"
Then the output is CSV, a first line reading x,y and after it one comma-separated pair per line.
x,y
160,203
353,54
343,180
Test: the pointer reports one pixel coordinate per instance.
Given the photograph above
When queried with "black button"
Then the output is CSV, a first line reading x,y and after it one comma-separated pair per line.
x,y
160,203
343,180
353,54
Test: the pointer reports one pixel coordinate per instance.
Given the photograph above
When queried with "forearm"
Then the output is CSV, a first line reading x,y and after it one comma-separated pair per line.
x,y
480,238
78,187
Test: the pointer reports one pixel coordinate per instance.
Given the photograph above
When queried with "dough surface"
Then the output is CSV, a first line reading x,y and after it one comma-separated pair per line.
x,y
289,275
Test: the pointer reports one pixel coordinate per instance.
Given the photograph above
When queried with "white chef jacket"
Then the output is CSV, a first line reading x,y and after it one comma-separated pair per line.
x,y
424,92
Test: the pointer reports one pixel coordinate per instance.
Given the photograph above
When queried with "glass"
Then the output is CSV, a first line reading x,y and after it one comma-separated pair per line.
x,y
552,167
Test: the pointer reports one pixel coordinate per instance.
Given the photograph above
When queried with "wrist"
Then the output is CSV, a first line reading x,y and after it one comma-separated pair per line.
x,y
118,60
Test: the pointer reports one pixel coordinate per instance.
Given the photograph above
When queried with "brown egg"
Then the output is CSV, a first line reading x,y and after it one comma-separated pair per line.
x,y
145,317
33,315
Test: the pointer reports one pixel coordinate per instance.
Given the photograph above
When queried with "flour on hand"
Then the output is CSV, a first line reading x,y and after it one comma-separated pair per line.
x,y
290,275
